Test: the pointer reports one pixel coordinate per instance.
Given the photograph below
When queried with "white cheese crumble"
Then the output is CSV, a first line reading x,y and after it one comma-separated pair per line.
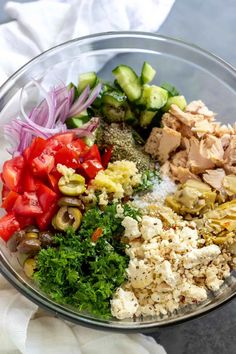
x,y
169,265
202,255
150,227
131,228
124,304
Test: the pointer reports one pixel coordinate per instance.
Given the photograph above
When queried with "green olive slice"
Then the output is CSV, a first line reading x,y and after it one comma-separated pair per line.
x,y
73,185
29,267
67,217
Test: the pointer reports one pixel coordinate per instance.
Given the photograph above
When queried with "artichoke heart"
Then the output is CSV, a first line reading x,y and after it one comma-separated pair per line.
x,y
193,197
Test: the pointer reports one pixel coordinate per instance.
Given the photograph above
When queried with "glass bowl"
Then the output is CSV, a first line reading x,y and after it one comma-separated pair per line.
x,y
197,74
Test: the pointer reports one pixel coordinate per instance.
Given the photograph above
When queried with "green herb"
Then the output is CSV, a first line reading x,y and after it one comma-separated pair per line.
x,y
81,273
148,179
171,89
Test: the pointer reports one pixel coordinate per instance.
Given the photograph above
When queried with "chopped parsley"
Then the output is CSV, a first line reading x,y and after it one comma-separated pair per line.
x,y
82,273
148,178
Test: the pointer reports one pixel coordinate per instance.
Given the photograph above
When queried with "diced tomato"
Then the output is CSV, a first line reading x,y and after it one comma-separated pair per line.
x,y
9,201
91,167
5,191
29,181
53,179
8,225
27,204
106,156
63,138
97,234
67,157
46,197
25,221
12,171
92,154
44,220
79,146
35,149
43,164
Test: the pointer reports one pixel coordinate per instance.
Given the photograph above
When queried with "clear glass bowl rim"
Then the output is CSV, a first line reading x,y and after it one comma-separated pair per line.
x,y
51,306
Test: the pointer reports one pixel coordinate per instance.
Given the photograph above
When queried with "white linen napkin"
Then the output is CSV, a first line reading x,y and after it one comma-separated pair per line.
x,y
38,26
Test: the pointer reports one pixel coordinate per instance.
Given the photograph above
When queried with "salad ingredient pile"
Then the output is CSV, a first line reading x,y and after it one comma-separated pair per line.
x,y
119,197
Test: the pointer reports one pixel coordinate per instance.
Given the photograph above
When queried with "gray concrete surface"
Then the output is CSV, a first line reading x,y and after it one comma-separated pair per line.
x,y
210,24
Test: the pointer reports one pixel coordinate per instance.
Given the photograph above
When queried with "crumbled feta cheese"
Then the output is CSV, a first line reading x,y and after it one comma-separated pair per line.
x,y
200,255
131,228
212,281
150,227
124,304
195,293
166,273
140,274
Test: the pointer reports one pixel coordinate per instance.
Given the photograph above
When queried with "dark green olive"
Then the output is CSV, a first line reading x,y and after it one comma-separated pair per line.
x,y
29,246
14,241
46,239
31,228
71,201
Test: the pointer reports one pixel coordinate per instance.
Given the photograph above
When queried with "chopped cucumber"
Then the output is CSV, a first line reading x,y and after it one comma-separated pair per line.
x,y
87,79
77,122
130,117
114,98
147,73
113,114
170,88
155,97
178,100
146,118
128,81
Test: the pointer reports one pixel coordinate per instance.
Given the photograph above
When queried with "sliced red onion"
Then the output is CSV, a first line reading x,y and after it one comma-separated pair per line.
x,y
49,117
76,110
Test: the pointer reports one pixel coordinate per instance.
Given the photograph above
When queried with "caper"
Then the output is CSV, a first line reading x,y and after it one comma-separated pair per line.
x,y
71,201
14,241
46,238
29,246
32,234
73,185
67,217
29,267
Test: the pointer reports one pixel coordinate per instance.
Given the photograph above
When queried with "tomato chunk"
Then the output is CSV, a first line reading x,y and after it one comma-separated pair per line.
x,y
12,172
35,149
91,167
25,221
44,220
106,156
67,157
79,146
27,204
92,154
8,225
30,182
63,138
43,164
9,201
46,197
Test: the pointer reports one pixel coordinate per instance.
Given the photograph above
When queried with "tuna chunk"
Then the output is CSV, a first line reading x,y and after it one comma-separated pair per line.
x,y
162,142
198,107
182,174
214,178
196,161
186,118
